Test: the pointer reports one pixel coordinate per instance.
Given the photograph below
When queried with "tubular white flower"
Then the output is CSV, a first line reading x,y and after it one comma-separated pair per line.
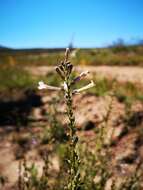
x,y
42,85
81,76
90,85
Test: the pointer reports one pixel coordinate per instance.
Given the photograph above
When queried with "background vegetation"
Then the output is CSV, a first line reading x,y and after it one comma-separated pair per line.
x,y
118,54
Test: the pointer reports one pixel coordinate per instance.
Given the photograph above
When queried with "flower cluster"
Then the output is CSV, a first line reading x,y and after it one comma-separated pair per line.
x,y
64,70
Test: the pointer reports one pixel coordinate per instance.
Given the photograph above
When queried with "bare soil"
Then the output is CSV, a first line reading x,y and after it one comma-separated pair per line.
x,y
88,110
120,73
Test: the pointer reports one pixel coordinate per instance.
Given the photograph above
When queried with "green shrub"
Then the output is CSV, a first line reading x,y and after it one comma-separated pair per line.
x,y
14,78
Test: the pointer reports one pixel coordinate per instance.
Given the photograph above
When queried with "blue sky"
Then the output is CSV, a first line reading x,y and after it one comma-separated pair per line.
x,y
53,23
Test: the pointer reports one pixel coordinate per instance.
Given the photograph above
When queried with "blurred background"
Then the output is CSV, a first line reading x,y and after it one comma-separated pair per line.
x,y
104,37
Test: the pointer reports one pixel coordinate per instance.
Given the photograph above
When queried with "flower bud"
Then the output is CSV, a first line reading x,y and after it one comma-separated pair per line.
x,y
69,68
61,67
67,54
59,72
65,86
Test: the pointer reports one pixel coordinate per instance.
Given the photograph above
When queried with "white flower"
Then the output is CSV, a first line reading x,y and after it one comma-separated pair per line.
x,y
65,86
90,85
42,85
83,74
67,51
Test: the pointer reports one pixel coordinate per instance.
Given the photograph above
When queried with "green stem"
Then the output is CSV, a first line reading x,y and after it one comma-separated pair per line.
x,y
74,159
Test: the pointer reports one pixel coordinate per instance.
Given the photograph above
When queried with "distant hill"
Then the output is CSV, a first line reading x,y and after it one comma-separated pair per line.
x,y
114,48
9,51
4,48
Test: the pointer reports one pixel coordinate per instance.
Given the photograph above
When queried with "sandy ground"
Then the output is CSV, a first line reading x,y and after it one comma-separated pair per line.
x,y
120,73
95,108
